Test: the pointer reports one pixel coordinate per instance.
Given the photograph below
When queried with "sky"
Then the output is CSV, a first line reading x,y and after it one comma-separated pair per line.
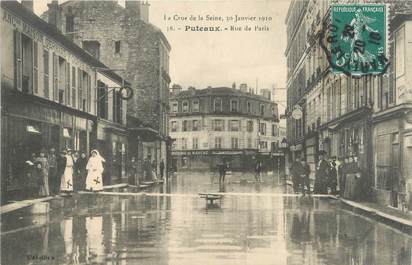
x,y
202,59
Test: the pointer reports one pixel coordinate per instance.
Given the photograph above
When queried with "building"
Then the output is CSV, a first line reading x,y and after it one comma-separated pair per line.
x,y
123,39
218,124
53,93
354,119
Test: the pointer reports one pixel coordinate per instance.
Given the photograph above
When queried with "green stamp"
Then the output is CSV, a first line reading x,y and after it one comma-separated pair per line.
x,y
356,38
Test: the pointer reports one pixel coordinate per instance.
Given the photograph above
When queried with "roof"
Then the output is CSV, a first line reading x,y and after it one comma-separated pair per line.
x,y
219,91
32,19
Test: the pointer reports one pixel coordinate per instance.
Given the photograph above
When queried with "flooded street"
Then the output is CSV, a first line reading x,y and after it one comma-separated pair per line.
x,y
253,224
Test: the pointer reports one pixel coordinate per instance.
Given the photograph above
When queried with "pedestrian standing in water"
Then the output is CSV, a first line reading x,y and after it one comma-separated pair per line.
x,y
305,181
322,174
81,172
43,176
162,168
333,177
258,170
66,184
222,172
132,170
53,177
94,167
296,171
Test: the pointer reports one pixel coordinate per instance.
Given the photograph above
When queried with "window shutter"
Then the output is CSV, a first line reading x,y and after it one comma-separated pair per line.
x,y
18,66
80,88
55,77
35,68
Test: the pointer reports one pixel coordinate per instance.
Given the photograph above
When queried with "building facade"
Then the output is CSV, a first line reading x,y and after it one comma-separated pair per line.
x,y
123,39
353,119
218,124
50,95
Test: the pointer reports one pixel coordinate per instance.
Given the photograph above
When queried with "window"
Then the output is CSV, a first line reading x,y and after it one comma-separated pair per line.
x,y
234,126
17,60
69,24
117,46
173,125
62,79
218,104
102,99
67,88
195,125
87,100
249,107
80,86
174,107
184,143
35,68
262,128
262,109
250,126
195,143
46,73
27,64
74,86
249,143
218,125
263,145
93,47
184,126
235,143
275,131
185,106
234,105
195,105
218,142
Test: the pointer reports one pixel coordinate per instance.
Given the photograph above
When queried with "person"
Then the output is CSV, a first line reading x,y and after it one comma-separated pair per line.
x,y
162,168
297,171
81,172
222,172
94,167
305,177
61,165
154,170
132,170
322,174
258,171
333,177
52,159
342,176
147,165
32,183
66,184
43,174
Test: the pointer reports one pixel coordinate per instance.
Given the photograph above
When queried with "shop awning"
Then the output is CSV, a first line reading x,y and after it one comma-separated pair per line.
x,y
146,134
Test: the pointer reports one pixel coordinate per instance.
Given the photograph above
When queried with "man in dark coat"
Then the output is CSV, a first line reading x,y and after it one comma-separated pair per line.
x,y
162,169
61,165
53,178
333,177
296,171
81,173
305,177
322,174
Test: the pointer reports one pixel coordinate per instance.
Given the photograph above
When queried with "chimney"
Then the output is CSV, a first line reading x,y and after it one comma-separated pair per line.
x,y
28,4
144,11
54,14
243,88
133,7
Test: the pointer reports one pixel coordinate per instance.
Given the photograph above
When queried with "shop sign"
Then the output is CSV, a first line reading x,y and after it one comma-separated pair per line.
x,y
227,152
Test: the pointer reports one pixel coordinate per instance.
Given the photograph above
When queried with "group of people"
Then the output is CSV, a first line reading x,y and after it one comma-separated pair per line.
x,y
326,175
149,170
49,173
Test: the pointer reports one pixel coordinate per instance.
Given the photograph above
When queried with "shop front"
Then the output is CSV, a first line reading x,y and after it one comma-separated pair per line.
x,y
30,125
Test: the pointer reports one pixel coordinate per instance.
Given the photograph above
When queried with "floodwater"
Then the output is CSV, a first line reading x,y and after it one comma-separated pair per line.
x,y
253,224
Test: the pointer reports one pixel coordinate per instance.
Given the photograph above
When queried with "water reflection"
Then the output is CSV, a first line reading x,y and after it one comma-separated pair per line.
x,y
179,230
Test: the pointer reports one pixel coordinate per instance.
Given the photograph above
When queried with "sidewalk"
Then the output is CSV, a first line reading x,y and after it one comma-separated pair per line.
x,y
390,216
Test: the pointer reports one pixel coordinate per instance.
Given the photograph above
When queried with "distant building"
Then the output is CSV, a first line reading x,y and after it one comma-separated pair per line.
x,y
54,96
218,124
123,38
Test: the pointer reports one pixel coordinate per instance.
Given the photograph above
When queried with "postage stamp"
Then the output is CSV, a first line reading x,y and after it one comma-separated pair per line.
x,y
356,39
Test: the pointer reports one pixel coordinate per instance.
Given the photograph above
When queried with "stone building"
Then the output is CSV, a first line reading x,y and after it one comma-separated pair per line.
x,y
360,120
123,39
221,123
52,98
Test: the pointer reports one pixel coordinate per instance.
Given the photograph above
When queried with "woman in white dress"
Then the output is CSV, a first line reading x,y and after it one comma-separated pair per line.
x,y
66,184
94,180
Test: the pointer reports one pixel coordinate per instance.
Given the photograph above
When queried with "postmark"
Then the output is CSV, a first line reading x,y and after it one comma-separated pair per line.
x,y
355,39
